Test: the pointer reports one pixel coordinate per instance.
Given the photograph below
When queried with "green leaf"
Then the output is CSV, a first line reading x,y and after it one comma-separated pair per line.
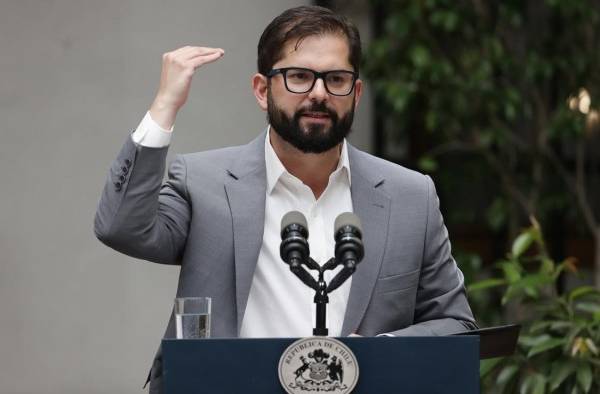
x,y
581,291
486,284
540,326
584,377
487,366
559,373
531,291
527,385
589,307
512,271
546,345
428,164
485,139
497,213
595,362
451,21
431,120
537,280
506,374
420,56
539,386
533,283
498,50
573,332
510,111
531,341
559,325
398,94
533,384
547,266
511,292
522,243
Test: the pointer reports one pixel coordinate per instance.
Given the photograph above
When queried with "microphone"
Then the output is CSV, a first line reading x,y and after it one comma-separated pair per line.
x,y
349,249
294,248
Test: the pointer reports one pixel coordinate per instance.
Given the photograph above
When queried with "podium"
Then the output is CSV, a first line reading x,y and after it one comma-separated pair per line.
x,y
398,365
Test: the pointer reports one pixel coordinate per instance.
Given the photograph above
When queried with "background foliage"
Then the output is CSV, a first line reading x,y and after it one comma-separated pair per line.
x,y
557,349
497,100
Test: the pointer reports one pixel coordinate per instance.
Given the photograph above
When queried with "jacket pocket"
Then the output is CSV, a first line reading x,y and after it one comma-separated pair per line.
x,y
398,282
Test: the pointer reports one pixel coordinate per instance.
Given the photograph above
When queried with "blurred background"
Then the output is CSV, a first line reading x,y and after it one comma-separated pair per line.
x,y
497,101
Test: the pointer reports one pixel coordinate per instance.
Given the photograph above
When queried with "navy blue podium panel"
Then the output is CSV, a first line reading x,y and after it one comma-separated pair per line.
x,y
388,365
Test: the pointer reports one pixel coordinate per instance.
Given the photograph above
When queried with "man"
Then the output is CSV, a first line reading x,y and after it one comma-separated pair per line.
x,y
218,214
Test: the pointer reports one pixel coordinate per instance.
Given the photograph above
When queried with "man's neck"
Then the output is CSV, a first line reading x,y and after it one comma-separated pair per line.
x,y
311,168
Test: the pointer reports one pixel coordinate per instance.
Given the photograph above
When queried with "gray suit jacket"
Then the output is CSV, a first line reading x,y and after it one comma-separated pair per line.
x,y
209,217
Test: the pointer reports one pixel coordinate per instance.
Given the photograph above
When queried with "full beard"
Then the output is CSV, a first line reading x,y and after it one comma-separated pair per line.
x,y
314,138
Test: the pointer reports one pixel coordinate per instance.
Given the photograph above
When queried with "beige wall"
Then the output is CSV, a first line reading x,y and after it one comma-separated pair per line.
x,y
75,78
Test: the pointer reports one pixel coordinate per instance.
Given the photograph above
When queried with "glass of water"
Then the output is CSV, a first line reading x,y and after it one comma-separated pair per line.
x,y
192,317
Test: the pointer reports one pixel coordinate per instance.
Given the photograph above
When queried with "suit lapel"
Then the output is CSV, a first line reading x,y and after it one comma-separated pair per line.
x,y
372,205
246,195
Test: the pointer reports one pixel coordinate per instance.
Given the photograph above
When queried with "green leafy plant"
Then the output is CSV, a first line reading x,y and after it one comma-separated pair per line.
x,y
558,349
498,94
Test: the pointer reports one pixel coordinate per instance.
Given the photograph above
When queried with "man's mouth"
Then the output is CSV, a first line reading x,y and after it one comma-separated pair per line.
x,y
316,115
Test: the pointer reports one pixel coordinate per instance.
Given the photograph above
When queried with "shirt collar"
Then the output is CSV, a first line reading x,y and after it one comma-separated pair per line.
x,y
275,168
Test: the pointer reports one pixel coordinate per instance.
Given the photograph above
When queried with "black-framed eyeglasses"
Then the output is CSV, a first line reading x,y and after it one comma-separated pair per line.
x,y
302,80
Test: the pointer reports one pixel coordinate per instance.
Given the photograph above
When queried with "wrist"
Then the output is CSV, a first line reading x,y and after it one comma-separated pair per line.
x,y
163,113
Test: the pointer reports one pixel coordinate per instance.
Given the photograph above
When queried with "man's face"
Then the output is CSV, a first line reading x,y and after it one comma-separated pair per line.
x,y
315,121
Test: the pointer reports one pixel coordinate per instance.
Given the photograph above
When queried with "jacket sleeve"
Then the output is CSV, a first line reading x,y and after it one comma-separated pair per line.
x,y
139,215
441,303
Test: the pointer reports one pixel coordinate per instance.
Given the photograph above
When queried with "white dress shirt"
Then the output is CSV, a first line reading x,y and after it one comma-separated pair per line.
x,y
150,134
279,304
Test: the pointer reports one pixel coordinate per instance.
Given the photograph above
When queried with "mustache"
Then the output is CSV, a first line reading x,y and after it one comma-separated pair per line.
x,y
317,107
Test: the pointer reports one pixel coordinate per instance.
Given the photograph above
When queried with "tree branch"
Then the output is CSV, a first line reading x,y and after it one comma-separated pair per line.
x,y
576,188
453,146
507,180
508,183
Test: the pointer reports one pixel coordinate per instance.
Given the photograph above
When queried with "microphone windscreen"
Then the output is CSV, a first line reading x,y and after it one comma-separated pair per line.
x,y
346,219
293,217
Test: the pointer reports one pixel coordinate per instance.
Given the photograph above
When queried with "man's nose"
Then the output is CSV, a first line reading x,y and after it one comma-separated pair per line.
x,y
318,92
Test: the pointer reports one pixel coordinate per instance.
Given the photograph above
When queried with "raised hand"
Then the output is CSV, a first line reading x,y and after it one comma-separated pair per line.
x,y
178,68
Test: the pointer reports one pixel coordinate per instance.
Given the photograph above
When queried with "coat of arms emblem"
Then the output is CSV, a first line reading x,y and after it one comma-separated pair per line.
x,y
319,364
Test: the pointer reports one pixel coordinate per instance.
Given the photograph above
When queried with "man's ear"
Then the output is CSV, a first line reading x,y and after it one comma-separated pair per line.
x,y
358,90
259,87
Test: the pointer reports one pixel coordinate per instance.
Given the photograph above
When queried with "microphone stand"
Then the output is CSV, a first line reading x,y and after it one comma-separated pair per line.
x,y
321,288
294,251
321,299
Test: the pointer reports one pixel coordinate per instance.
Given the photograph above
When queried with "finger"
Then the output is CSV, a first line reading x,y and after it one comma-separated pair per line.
x,y
189,52
180,51
199,51
197,55
205,59
182,54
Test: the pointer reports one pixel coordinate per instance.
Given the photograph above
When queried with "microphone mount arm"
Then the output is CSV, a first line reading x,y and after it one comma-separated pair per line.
x,y
320,287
